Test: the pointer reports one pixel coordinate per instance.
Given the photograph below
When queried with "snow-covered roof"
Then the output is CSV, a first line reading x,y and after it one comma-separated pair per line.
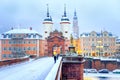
x,y
20,31
97,34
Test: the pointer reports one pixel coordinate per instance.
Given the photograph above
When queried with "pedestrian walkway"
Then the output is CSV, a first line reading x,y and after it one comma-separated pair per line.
x,y
34,70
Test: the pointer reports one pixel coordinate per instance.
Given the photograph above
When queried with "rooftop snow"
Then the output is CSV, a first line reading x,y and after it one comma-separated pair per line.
x,y
19,31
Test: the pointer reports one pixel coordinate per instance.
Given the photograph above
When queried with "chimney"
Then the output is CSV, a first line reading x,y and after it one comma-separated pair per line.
x,y
30,28
12,28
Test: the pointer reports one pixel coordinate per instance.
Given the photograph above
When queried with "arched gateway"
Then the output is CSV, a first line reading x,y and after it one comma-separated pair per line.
x,y
55,43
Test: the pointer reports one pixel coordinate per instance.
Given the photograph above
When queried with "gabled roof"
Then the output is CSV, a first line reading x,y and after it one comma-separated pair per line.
x,y
60,37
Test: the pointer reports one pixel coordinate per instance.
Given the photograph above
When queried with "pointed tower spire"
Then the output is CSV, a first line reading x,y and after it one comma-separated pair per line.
x,y
48,18
48,10
75,12
65,10
75,25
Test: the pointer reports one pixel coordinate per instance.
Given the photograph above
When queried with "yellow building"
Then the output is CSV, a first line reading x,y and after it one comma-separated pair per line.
x,y
76,44
98,43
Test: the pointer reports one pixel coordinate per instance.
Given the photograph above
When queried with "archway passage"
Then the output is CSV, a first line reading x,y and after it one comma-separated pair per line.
x,y
56,49
56,43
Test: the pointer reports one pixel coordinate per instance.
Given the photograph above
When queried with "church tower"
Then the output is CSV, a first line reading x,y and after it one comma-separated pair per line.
x,y
75,26
65,25
48,24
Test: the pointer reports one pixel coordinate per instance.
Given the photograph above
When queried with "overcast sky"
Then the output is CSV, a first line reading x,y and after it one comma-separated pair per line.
x,y
92,15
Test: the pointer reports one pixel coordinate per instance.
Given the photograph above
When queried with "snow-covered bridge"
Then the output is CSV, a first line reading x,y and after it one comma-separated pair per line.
x,y
39,69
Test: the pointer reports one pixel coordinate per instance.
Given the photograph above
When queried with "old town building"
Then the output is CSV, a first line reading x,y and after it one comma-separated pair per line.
x,y
117,48
18,43
98,44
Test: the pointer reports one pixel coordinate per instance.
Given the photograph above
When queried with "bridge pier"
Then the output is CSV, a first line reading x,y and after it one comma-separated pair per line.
x,y
72,68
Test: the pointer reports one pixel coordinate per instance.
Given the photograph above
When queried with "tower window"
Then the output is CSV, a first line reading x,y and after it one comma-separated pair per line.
x,y
66,32
45,31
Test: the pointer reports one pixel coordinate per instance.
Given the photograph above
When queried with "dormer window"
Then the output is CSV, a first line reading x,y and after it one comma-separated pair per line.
x,y
9,36
34,36
4,36
29,36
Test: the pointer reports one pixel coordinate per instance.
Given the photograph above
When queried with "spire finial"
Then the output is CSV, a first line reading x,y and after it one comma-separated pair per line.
x,y
64,10
47,10
75,12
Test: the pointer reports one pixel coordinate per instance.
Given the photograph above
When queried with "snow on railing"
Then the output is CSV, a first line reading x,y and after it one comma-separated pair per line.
x,y
53,73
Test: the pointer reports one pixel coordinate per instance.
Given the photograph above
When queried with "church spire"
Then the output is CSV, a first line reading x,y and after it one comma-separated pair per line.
x,y
75,12
65,10
48,18
48,10
64,17
75,15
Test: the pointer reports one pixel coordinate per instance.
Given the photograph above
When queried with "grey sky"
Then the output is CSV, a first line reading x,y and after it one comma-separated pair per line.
x,y
92,14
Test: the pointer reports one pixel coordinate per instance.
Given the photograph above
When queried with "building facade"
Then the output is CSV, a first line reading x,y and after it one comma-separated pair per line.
x,y
117,48
55,40
18,43
98,44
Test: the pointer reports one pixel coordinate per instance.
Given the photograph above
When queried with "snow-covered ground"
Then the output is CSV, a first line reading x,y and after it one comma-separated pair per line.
x,y
31,70
54,70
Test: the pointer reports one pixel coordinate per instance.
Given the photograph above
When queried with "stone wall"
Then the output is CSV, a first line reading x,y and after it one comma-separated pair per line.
x,y
101,64
13,61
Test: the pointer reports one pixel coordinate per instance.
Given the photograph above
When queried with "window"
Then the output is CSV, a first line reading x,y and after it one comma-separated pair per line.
x,y
9,48
4,48
45,31
29,36
10,42
24,48
93,44
19,36
34,41
4,36
34,36
9,36
4,56
14,42
29,42
10,56
34,48
66,32
29,48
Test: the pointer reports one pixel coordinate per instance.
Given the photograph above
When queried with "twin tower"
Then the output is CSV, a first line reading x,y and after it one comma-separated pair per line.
x,y
65,24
